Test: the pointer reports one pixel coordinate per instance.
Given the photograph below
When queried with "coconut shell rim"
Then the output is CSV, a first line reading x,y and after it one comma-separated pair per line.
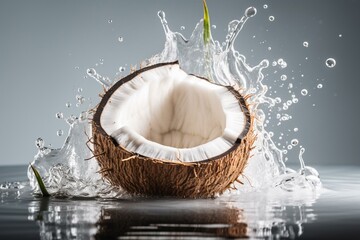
x,y
112,89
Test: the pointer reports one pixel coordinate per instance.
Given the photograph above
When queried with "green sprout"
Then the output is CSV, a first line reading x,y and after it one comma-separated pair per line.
x,y
39,180
207,29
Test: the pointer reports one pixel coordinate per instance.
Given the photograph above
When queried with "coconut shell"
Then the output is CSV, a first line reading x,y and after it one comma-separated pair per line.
x,y
142,175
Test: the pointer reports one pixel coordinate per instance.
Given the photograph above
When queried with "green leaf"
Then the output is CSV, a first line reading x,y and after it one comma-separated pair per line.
x,y
44,192
207,29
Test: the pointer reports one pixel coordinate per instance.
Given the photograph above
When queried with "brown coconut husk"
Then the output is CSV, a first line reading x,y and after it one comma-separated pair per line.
x,y
147,176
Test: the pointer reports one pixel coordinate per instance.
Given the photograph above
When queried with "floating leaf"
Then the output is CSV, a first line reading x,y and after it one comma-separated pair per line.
x,y
207,28
44,192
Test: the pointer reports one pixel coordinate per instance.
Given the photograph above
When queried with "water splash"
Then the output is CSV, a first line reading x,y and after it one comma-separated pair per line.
x,y
65,171
105,81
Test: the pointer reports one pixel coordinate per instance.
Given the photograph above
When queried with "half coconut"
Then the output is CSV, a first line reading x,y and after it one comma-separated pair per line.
x,y
162,132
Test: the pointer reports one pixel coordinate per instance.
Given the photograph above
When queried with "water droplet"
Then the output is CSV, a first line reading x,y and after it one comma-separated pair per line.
x,y
340,35
265,6
282,63
121,69
305,44
182,28
110,21
91,72
296,129
319,86
283,77
80,99
294,142
269,48
278,100
289,147
213,26
39,143
80,90
295,100
161,14
60,132
68,104
250,12
120,39
274,63
76,67
304,92
59,115
271,18
83,115
330,62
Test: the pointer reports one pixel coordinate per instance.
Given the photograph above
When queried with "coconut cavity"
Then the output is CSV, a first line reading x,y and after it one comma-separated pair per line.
x,y
165,113
163,132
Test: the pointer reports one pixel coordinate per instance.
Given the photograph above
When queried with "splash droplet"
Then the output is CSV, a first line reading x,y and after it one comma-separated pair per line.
x,y
91,72
304,92
271,18
296,129
294,142
283,77
305,44
121,69
330,62
213,26
161,14
120,39
80,99
110,21
39,143
319,86
282,63
59,115
250,12
80,90
182,28
60,132
68,104
265,6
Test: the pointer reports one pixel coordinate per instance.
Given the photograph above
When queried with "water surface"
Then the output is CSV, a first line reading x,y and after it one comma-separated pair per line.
x,y
334,213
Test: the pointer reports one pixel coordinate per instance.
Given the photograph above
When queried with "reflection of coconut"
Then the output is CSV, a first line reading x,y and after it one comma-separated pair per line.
x,y
160,131
137,221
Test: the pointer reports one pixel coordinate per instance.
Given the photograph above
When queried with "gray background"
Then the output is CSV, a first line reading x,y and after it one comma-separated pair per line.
x,y
43,42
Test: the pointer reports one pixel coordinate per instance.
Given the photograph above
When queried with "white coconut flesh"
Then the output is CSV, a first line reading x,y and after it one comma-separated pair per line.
x,y
166,114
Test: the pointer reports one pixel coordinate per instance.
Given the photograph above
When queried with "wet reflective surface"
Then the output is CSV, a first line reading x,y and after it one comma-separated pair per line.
x,y
332,213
